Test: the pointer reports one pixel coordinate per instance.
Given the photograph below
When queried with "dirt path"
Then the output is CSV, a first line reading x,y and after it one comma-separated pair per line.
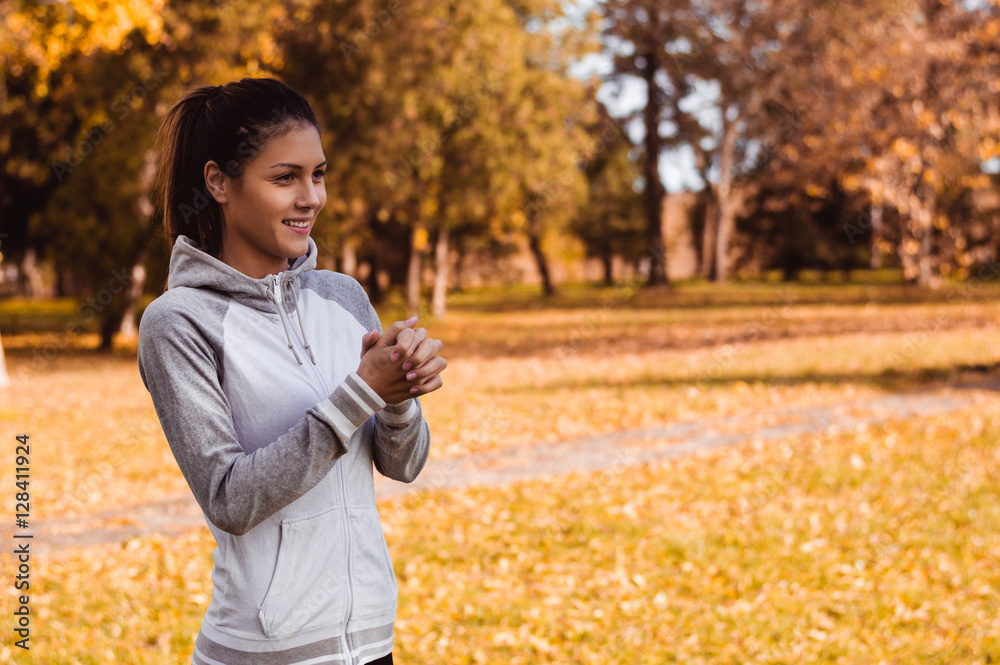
x,y
176,514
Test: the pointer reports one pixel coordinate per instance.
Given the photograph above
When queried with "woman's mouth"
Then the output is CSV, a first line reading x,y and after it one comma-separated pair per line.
x,y
301,227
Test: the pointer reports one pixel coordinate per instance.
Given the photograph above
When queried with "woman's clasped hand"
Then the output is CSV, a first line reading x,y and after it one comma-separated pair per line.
x,y
402,362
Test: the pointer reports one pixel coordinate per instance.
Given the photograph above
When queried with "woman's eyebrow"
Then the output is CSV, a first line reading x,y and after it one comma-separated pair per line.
x,y
295,166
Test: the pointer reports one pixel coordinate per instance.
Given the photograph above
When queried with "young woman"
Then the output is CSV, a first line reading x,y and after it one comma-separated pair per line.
x,y
276,387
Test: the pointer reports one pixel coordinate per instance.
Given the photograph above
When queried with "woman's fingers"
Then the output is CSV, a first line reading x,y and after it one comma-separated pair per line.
x,y
368,341
427,349
427,370
407,341
426,378
401,389
427,387
392,333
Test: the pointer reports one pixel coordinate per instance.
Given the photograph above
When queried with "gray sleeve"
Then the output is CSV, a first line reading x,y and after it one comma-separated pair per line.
x,y
237,491
402,436
402,440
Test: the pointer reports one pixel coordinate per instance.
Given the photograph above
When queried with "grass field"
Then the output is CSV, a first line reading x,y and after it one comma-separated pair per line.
x,y
876,545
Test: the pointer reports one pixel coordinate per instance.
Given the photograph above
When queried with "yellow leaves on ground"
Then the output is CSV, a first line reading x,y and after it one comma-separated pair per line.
x,y
877,545
524,374
140,602
99,445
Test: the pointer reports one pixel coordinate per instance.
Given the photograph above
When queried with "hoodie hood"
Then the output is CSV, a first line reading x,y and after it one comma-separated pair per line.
x,y
193,267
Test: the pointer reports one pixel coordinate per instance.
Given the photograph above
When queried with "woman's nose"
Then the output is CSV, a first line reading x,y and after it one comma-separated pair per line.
x,y
309,199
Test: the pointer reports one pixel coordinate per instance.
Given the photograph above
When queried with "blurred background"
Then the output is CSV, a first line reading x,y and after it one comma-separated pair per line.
x,y
717,283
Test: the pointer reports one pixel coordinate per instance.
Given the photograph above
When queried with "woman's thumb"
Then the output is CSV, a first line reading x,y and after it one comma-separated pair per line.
x,y
368,341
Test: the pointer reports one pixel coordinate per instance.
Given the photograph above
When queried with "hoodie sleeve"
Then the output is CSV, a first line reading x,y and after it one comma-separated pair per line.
x,y
236,490
402,437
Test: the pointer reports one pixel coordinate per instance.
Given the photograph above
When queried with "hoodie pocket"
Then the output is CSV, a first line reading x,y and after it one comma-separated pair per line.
x,y
375,587
307,590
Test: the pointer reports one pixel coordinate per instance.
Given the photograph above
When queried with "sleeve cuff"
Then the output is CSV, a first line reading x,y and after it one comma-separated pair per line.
x,y
365,391
351,404
401,413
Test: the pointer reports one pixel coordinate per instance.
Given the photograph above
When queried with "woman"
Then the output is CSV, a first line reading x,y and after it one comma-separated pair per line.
x,y
251,357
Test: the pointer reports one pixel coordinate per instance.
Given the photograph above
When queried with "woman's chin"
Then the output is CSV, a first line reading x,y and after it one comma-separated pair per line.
x,y
295,242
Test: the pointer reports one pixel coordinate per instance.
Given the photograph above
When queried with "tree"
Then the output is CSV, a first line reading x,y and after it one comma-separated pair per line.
x,y
439,115
638,31
74,112
53,112
905,119
611,220
50,118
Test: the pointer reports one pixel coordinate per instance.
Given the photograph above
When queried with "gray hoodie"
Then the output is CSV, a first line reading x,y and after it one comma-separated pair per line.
x,y
255,385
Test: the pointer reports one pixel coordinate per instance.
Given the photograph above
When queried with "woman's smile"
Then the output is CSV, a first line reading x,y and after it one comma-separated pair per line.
x,y
297,225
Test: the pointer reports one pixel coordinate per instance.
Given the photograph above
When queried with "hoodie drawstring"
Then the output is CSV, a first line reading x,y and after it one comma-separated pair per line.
x,y
281,313
305,341
284,321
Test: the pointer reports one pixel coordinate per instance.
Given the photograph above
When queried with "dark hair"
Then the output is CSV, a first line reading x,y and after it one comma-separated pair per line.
x,y
227,124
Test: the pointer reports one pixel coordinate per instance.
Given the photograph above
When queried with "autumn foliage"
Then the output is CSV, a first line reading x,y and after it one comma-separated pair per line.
x,y
826,135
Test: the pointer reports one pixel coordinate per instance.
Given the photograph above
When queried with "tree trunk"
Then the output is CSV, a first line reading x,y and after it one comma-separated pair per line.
x,y
727,216
791,255
726,199
111,317
916,255
440,273
4,377
457,272
695,219
374,288
413,276
349,259
109,326
543,264
925,272
62,278
375,293
653,196
31,275
133,290
926,276
607,259
876,216
133,296
708,235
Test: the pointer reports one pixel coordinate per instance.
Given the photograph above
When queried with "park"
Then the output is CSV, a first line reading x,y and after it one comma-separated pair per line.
x,y
717,287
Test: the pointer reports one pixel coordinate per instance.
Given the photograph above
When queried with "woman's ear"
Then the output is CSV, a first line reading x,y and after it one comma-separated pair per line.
x,y
215,181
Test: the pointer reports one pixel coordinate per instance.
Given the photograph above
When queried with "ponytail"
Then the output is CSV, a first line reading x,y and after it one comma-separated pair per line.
x,y
228,124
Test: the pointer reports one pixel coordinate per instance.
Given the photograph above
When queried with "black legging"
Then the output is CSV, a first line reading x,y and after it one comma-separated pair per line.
x,y
384,660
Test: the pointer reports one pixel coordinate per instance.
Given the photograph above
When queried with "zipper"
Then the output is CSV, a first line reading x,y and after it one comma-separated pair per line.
x,y
340,471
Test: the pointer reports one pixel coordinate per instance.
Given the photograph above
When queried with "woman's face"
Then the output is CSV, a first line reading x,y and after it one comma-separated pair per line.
x,y
281,186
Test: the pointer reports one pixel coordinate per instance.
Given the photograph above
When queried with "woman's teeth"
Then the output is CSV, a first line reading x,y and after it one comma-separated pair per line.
x,y
298,225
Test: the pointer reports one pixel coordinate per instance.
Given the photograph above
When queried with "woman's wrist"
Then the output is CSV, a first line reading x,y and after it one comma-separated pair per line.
x,y
370,382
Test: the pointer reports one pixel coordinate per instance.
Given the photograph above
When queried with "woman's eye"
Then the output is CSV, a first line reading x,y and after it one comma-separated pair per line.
x,y
285,177
319,174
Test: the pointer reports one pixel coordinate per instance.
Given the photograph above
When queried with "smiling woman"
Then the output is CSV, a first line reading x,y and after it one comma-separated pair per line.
x,y
271,211
277,436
